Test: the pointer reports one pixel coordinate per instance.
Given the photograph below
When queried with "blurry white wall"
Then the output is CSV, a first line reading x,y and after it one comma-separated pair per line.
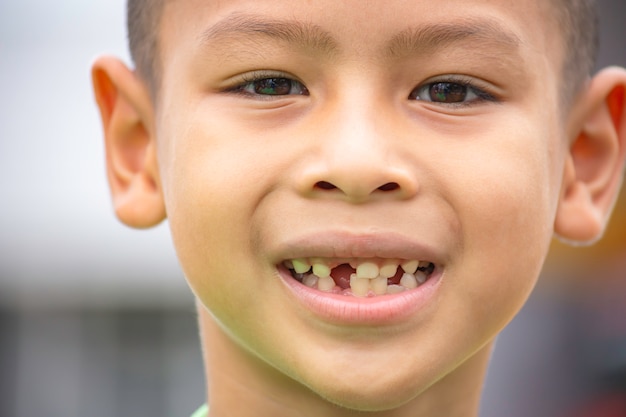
x,y
60,243
95,318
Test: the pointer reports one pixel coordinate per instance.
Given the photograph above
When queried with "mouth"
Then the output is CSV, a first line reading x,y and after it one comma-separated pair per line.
x,y
359,277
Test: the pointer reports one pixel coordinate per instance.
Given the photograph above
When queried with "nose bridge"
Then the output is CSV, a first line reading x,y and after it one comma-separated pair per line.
x,y
359,157
358,144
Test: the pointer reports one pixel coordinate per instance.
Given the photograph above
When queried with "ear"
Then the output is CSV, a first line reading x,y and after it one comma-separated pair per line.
x,y
594,167
128,123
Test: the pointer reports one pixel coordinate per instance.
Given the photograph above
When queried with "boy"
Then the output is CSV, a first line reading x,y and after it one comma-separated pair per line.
x,y
361,194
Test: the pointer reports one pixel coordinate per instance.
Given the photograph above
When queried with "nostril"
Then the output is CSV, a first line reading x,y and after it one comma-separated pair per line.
x,y
324,185
390,186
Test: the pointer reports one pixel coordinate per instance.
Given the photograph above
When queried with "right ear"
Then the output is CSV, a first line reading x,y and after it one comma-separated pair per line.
x,y
595,165
128,122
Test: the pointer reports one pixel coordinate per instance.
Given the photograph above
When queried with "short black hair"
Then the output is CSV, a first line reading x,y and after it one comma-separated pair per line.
x,y
577,20
143,21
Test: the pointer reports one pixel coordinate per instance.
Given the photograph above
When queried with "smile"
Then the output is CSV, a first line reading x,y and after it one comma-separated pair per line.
x,y
360,277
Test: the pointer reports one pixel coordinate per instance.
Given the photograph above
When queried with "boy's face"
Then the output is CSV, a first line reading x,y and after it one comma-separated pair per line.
x,y
404,130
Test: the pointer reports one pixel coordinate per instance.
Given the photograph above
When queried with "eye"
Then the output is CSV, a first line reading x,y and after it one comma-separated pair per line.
x,y
450,92
272,86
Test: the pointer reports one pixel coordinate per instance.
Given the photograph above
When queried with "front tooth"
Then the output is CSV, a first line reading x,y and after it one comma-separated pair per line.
x,y
300,266
395,289
321,270
325,284
367,270
410,266
388,270
408,281
379,285
359,286
310,280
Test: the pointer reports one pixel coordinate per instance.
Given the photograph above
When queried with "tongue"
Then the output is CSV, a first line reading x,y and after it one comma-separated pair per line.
x,y
395,280
341,275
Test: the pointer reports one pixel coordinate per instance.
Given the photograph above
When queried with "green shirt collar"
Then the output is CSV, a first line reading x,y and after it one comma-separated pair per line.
x,y
201,412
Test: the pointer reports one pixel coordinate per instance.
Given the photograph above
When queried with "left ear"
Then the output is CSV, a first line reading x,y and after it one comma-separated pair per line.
x,y
130,143
594,168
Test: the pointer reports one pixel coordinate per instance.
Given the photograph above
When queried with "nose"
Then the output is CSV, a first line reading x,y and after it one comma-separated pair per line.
x,y
359,157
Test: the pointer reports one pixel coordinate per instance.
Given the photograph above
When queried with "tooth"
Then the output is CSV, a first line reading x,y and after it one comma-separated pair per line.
x,y
379,285
421,276
408,281
359,286
321,270
367,270
300,266
310,280
325,284
410,266
388,270
395,289
288,264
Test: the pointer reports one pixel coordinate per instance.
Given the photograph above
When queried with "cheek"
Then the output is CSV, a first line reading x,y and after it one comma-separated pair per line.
x,y
217,177
507,190
504,197
210,193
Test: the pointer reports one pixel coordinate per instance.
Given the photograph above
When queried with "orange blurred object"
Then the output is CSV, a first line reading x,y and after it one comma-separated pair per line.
x,y
607,256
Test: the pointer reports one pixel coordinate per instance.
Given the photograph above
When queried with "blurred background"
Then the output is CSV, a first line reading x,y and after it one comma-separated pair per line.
x,y
96,319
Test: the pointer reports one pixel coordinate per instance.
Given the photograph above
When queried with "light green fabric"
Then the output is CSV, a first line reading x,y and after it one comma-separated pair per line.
x,y
201,412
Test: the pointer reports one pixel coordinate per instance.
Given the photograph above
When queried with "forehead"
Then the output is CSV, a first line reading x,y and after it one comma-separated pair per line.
x,y
353,29
369,20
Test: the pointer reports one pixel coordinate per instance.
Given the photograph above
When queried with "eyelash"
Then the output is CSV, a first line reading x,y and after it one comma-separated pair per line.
x,y
249,79
471,86
467,83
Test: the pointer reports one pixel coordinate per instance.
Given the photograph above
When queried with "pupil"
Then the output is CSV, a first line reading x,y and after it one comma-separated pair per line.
x,y
448,93
273,86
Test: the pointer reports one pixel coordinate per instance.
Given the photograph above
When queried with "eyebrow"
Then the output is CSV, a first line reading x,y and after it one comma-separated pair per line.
x,y
429,38
248,28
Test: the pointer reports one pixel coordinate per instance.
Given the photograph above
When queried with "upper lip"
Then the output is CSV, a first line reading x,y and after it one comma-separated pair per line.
x,y
344,244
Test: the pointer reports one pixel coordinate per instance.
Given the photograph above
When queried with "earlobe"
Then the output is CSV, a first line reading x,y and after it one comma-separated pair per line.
x,y
595,165
131,160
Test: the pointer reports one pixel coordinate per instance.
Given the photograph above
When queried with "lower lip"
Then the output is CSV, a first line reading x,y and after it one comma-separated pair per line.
x,y
350,310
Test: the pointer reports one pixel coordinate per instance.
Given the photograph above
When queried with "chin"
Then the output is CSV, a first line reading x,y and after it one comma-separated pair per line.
x,y
370,401
370,393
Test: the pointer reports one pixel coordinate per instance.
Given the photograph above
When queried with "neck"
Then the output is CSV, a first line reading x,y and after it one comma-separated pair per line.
x,y
242,385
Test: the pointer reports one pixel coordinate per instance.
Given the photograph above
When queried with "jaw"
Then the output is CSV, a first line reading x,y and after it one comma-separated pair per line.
x,y
351,390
